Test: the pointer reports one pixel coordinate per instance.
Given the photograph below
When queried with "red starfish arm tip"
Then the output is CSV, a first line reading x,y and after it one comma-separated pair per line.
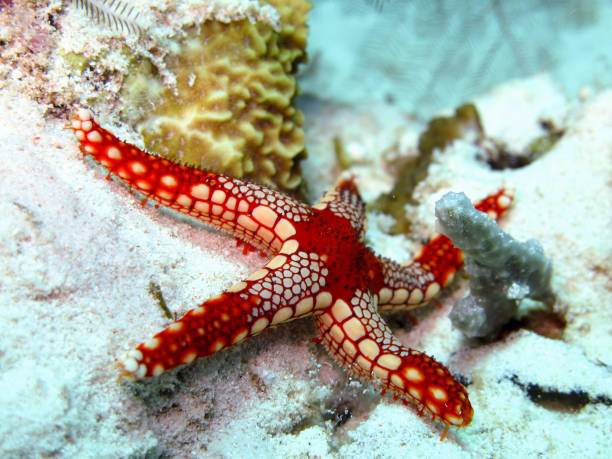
x,y
495,205
216,324
359,339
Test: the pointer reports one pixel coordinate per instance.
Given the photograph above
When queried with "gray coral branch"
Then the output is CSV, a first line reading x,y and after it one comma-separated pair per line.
x,y
502,270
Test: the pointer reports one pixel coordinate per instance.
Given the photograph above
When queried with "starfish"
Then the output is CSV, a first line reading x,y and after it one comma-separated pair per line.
x,y
319,267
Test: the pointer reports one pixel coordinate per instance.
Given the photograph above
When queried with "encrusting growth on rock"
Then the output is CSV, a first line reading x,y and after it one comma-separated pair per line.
x,y
210,84
441,131
232,109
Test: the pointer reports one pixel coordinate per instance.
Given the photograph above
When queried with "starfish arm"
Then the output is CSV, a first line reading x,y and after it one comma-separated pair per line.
x,y
405,286
345,202
256,214
358,338
414,284
284,289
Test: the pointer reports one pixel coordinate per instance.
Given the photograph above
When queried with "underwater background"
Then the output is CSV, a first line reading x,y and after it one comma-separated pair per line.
x,y
425,56
414,99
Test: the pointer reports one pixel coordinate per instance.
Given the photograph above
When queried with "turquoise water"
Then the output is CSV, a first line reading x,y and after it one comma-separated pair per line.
x,y
426,55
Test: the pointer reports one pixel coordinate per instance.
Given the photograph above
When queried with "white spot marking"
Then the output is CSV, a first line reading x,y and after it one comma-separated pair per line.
x,y
399,296
175,327
142,371
247,223
413,374
432,290
354,329
364,363
130,365
240,336
384,295
114,153
158,369
284,229
349,348
84,114
259,325
369,348
200,310
202,207
276,262
337,333
397,381
304,306
169,181
239,286
143,185
340,310
504,201
259,274
218,196
433,408
200,191
165,194
381,373
438,393
265,234
265,215
151,344
228,215
243,206
416,296
282,315
290,247
184,200
416,393
94,136
217,345
323,300
389,361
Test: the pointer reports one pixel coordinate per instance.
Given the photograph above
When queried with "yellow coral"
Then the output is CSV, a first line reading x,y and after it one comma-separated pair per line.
x,y
232,108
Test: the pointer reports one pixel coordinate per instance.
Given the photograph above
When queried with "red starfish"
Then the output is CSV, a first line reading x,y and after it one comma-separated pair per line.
x,y
320,267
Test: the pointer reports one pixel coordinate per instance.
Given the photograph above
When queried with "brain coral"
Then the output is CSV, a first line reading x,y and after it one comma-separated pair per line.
x,y
232,109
